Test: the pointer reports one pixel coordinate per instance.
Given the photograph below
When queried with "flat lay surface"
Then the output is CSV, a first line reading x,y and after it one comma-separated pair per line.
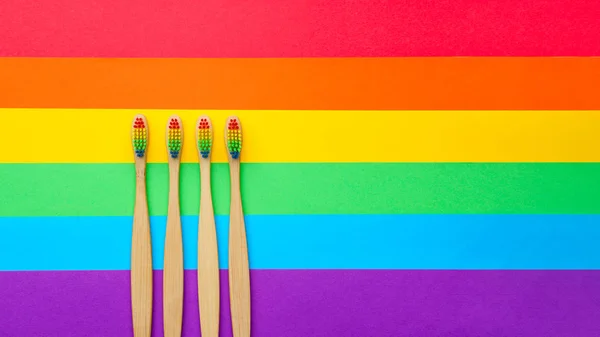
x,y
409,168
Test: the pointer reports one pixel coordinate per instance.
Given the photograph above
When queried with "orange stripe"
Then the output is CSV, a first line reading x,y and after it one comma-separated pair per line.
x,y
303,83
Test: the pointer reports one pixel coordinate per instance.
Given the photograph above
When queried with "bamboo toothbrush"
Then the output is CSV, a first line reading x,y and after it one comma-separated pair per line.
x,y
208,258
173,266
141,247
239,274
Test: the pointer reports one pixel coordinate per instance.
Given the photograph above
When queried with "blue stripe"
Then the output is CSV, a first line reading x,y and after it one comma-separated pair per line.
x,y
319,242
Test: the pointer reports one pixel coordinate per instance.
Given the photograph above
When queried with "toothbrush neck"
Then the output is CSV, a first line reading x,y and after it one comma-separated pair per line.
x,y
234,172
174,176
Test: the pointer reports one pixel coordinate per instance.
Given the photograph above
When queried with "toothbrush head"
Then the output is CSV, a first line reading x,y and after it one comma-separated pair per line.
x,y
204,136
174,137
233,137
139,136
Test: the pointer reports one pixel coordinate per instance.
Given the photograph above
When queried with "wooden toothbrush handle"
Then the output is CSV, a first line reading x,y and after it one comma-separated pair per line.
x,y
208,259
173,262
239,273
141,262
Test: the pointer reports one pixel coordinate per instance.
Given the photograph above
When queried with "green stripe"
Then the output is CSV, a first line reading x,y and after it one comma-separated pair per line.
x,y
365,188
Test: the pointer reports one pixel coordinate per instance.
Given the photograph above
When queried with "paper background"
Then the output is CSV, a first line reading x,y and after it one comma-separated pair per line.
x,y
410,168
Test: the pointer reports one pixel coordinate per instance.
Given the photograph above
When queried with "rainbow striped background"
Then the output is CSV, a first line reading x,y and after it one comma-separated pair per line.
x,y
410,168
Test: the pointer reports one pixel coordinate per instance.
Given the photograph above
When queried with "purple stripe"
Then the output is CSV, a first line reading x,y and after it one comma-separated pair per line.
x,y
315,303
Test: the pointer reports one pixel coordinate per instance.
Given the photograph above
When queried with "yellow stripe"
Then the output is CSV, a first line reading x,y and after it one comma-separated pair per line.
x,y
100,136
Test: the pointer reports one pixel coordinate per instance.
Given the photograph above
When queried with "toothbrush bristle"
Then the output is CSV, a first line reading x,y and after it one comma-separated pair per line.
x,y
234,138
204,137
174,138
140,137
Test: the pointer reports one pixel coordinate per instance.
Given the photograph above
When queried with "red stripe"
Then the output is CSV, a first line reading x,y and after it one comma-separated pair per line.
x,y
309,28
